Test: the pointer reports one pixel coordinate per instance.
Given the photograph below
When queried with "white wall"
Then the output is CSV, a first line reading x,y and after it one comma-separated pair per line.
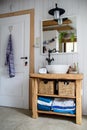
x,y
72,7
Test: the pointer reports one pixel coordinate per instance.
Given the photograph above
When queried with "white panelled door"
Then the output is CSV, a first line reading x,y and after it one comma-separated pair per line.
x,y
14,92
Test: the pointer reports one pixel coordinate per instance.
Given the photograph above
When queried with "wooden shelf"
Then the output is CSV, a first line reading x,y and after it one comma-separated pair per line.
x,y
56,96
57,76
55,113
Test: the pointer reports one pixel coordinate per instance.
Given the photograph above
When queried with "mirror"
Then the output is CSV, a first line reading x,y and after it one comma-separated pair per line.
x,y
62,37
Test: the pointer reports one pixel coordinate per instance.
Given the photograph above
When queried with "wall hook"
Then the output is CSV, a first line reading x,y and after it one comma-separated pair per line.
x,y
10,28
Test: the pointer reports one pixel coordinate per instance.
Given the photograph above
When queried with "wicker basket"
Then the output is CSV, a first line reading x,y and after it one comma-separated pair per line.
x,y
66,89
46,87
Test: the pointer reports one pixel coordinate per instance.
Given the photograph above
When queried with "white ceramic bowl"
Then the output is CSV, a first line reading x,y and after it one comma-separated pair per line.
x,y
61,69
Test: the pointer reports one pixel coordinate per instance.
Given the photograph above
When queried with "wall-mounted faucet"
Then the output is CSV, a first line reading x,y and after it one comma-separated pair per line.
x,y
50,59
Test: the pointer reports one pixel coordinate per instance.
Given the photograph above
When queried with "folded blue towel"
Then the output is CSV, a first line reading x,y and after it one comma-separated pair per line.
x,y
60,107
65,111
42,107
45,99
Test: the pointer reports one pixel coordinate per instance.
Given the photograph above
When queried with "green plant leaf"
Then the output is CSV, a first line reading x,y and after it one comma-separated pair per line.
x,y
72,37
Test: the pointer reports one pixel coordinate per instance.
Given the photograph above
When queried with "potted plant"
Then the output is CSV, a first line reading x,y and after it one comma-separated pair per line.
x,y
72,37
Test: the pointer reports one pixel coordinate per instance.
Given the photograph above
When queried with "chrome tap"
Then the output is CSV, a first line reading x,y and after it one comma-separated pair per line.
x,y
50,59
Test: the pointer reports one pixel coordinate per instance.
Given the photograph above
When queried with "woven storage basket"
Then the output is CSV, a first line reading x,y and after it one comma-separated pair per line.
x,y
46,88
65,89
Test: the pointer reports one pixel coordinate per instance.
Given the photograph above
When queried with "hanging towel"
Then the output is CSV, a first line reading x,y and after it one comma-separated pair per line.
x,y
10,57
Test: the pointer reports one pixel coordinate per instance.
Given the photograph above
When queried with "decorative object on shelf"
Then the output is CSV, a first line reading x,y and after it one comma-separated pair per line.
x,y
72,37
57,12
73,69
65,36
49,41
42,70
61,36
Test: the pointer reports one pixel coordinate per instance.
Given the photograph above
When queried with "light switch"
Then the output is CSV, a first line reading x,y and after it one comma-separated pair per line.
x,y
37,43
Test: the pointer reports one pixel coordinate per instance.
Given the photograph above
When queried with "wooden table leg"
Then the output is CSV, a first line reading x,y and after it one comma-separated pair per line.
x,y
34,97
78,102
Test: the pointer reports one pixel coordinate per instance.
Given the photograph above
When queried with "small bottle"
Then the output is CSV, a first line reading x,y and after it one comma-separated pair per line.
x,y
77,68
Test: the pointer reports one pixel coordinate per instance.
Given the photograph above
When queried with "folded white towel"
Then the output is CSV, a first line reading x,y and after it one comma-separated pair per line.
x,y
63,102
44,103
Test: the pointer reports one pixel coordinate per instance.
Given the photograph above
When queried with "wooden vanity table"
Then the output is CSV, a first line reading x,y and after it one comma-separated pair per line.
x,y
77,78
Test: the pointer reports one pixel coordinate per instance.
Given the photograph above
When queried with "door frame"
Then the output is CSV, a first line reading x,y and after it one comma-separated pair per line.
x,y
31,57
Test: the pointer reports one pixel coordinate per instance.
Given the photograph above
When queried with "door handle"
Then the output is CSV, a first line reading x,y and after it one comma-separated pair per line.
x,y
24,57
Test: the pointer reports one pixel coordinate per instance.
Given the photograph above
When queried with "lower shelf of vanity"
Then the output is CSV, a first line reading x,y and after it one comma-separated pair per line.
x,y
55,113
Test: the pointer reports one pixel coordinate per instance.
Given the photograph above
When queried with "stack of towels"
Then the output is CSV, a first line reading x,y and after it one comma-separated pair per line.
x,y
63,105
44,103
